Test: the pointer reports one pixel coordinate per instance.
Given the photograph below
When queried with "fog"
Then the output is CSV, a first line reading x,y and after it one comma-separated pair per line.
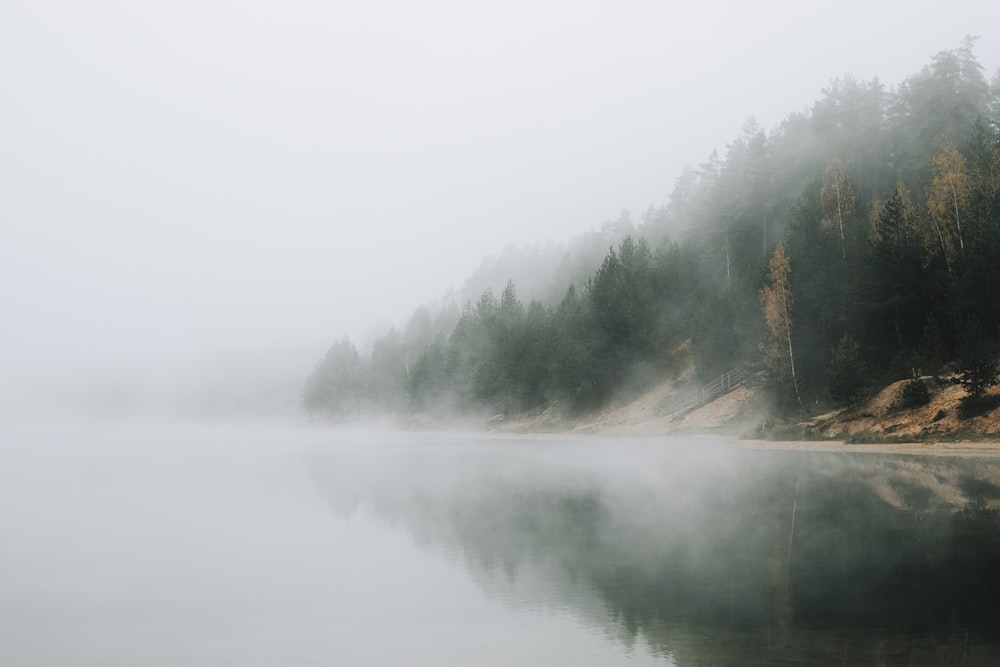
x,y
199,180
223,545
198,198
146,544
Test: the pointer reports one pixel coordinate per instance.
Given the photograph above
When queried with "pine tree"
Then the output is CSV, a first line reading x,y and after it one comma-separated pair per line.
x,y
896,276
846,375
334,387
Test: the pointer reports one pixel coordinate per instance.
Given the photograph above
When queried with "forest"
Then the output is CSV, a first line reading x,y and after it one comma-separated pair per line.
x,y
856,243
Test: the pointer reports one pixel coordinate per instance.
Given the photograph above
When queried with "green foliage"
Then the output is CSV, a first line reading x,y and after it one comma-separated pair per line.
x,y
846,375
430,380
821,289
865,193
931,351
893,291
976,359
335,386
716,348
913,395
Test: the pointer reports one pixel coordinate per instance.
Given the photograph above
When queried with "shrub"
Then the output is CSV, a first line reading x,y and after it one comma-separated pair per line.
x,y
976,360
974,406
913,395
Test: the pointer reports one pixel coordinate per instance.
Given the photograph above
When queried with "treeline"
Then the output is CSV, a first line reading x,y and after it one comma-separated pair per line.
x,y
856,243
505,357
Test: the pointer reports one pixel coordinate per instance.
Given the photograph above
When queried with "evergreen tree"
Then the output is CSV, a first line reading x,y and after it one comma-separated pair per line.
x,y
846,374
335,388
899,273
893,295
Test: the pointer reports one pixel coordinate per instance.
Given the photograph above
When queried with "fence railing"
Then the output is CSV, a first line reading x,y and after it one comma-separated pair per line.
x,y
724,384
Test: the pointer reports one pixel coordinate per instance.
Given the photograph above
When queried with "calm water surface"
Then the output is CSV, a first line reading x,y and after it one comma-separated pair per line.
x,y
220,545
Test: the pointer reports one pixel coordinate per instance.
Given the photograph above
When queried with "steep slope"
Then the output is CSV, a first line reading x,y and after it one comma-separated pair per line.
x,y
879,418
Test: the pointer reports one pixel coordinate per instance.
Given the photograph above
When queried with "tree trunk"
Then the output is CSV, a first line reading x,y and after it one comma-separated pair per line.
x,y
958,224
791,357
840,218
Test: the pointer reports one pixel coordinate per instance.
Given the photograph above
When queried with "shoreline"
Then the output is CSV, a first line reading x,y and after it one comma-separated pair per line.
x,y
986,447
971,448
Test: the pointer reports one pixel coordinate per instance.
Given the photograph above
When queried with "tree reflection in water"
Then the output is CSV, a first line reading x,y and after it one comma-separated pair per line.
x,y
714,554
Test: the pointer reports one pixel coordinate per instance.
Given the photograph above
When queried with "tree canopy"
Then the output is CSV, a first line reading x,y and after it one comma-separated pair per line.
x,y
861,236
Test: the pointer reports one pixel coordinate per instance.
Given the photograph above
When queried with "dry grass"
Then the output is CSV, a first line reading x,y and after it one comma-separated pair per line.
x,y
878,420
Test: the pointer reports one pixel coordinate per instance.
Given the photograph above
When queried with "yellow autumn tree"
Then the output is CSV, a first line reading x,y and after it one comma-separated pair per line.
x,y
838,199
948,198
776,298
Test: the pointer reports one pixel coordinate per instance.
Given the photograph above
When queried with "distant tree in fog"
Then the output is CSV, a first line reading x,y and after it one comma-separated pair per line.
x,y
335,386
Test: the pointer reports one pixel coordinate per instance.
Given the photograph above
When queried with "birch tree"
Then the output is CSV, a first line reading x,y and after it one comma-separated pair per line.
x,y
948,197
776,299
838,199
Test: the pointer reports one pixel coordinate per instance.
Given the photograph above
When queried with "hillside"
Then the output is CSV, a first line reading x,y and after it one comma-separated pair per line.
x,y
744,412
853,243
655,411
880,420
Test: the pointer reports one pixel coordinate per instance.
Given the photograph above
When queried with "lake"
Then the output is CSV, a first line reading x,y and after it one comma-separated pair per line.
x,y
146,544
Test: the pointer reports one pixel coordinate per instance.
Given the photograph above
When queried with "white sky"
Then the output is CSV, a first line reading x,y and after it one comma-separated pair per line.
x,y
179,178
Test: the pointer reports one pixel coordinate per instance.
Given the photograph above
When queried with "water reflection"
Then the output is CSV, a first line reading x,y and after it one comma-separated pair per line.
x,y
711,554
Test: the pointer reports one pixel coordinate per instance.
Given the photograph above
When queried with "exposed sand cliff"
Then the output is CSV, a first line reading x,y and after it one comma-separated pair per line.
x,y
651,414
743,411
879,418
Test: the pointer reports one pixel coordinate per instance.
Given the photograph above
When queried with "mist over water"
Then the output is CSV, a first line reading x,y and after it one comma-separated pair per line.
x,y
222,544
213,546
199,198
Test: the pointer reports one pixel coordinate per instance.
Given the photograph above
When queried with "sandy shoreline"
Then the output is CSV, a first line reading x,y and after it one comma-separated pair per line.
x,y
875,426
971,449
